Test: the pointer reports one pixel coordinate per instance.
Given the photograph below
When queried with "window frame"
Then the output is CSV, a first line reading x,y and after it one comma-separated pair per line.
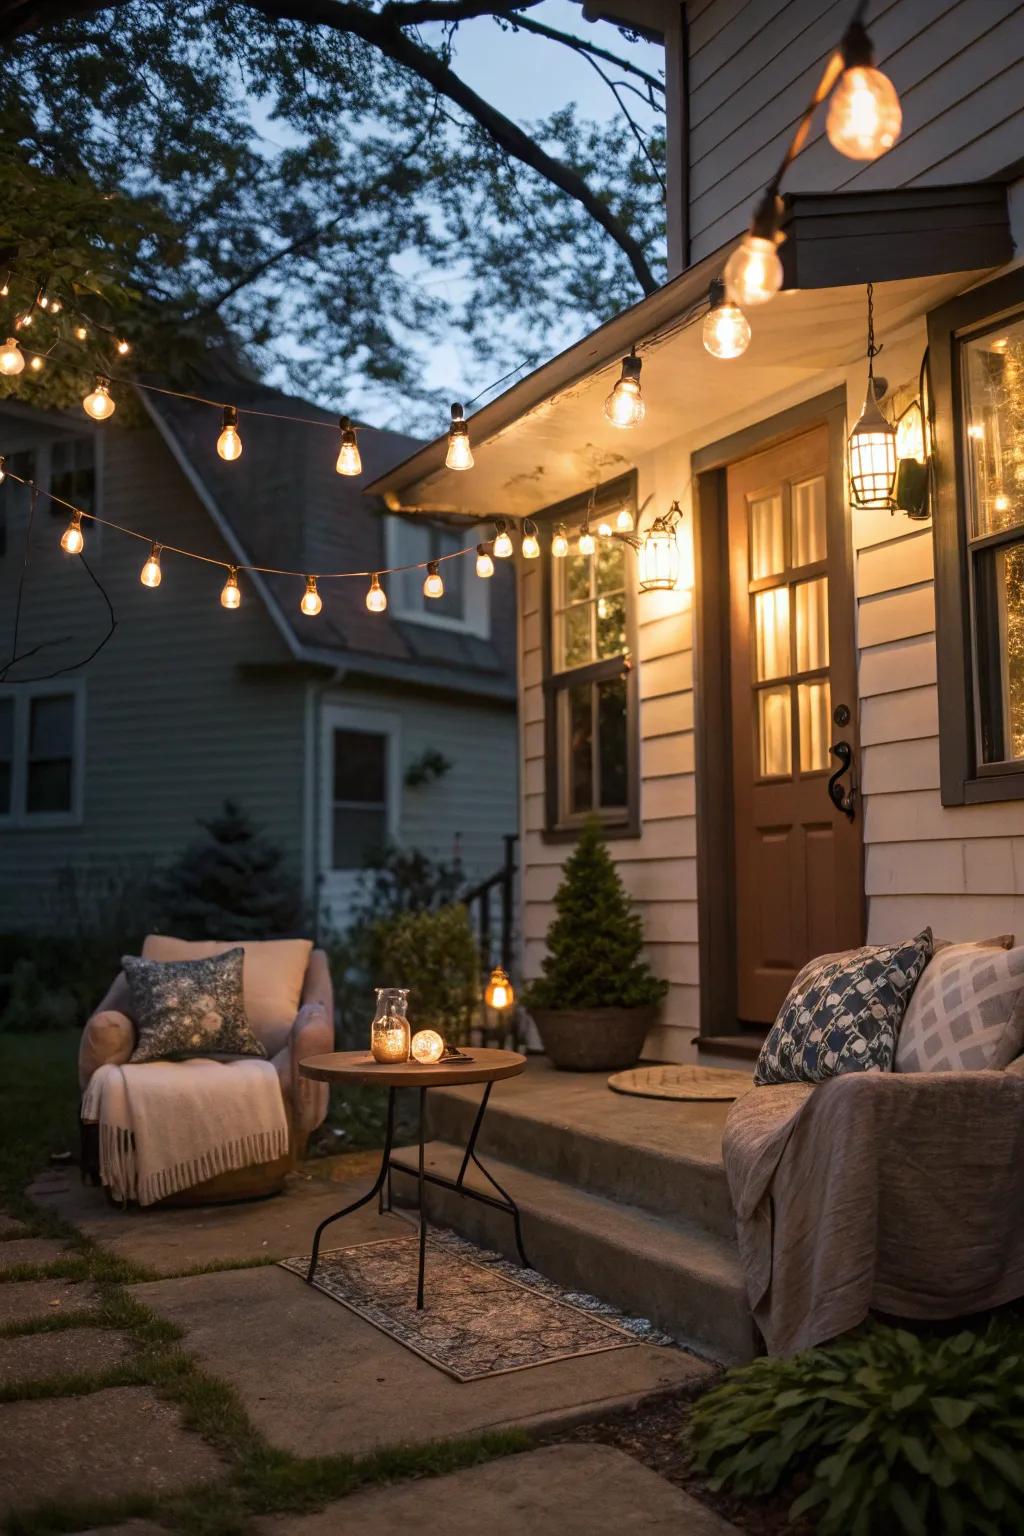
x,y
964,779
370,722
19,818
618,822
476,614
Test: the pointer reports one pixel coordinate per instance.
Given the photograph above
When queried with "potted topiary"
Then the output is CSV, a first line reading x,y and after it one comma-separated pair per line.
x,y
597,997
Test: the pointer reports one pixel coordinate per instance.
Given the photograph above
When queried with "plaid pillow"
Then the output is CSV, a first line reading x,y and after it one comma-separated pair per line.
x,y
190,1008
843,1013
967,1014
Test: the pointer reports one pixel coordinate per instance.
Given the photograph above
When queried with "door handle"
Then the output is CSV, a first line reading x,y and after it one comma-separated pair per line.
x,y
843,799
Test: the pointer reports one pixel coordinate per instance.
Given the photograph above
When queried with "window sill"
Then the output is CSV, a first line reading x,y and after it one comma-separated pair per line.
x,y
612,831
988,789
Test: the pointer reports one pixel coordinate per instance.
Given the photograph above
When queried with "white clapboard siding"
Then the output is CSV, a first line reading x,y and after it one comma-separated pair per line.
x,y
909,715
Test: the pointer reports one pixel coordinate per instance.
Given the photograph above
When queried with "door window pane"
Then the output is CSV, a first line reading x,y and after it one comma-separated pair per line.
x,y
812,624
775,754
771,633
6,754
360,797
581,743
767,537
814,710
612,742
48,780
999,600
994,411
808,514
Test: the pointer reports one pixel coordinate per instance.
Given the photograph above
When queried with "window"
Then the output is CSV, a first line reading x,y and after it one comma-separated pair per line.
x,y
359,812
977,352
465,602
590,686
73,474
14,497
41,754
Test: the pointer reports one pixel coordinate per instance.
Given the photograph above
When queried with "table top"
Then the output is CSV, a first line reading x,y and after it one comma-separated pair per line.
x,y
487,1066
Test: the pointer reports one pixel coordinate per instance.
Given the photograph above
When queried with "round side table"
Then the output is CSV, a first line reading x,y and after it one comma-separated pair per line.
x,y
483,1065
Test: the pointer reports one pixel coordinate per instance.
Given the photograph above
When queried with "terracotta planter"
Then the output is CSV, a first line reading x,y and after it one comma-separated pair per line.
x,y
593,1039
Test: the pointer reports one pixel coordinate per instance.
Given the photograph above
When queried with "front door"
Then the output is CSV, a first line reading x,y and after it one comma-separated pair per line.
x,y
360,798
798,874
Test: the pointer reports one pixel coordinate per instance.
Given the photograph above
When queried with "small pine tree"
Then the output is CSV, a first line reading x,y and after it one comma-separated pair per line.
x,y
595,943
231,885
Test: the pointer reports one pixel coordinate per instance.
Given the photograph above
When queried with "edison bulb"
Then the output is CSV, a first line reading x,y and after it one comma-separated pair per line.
x,y
12,359
427,1047
460,454
560,543
55,306
726,330
376,598
531,544
624,521
587,544
753,273
229,444
312,602
604,529
349,461
484,563
433,586
625,407
72,541
502,543
864,115
151,574
98,403
37,364
499,993
230,596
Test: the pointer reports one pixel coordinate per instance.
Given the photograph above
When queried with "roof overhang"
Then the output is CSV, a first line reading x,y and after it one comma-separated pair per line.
x,y
546,437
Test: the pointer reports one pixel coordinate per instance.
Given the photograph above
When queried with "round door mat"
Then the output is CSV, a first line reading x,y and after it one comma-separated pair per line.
x,y
680,1082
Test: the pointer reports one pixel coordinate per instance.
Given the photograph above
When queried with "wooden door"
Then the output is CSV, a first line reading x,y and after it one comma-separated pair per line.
x,y
798,856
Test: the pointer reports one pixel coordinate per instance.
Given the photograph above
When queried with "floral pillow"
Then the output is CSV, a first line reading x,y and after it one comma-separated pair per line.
x,y
843,1013
188,1008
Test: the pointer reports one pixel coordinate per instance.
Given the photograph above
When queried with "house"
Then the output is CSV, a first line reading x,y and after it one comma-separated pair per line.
x,y
336,733
815,738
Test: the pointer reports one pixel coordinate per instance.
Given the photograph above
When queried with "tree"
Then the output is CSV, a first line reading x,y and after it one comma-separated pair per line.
x,y
318,164
231,885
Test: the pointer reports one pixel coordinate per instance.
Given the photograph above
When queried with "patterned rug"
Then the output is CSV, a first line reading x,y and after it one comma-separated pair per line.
x,y
671,1082
484,1316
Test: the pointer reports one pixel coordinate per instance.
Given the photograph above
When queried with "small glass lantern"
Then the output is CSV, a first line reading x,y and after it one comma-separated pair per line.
x,y
389,1032
659,557
499,993
872,455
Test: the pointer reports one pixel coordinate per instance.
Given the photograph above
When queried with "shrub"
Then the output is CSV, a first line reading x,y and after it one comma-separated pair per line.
x,y
896,1433
595,944
434,954
231,885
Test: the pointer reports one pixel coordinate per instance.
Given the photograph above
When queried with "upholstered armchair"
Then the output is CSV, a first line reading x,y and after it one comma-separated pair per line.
x,y
290,1009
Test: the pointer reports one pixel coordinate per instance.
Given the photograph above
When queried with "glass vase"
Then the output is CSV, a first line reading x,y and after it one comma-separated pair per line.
x,y
389,1033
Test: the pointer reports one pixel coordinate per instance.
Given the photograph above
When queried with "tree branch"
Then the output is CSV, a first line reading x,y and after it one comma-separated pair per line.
x,y
581,45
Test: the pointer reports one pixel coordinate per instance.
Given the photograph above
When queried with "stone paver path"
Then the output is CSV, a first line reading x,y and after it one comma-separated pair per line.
x,y
64,1352
22,1301
10,1226
31,1250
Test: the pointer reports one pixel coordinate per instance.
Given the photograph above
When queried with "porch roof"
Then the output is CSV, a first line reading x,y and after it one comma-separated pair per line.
x,y
546,437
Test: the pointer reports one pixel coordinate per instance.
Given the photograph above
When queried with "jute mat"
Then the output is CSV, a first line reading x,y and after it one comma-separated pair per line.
x,y
680,1082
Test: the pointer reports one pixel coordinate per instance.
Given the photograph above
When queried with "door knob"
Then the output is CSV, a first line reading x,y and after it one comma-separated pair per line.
x,y
843,799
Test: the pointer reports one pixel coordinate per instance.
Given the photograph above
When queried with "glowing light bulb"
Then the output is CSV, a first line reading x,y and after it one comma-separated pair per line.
x,y
312,602
23,321
1001,502
499,993
560,542
531,544
151,575
72,541
12,359
433,586
37,364
502,542
587,543
229,444
230,596
98,403
975,430
81,334
427,1047
484,563
753,273
3,472
604,529
5,290
625,407
624,521
123,348
55,306
44,302
460,454
349,462
726,328
376,598
864,115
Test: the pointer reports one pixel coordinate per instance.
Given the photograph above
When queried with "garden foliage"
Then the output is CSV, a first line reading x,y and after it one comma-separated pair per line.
x,y
434,954
233,884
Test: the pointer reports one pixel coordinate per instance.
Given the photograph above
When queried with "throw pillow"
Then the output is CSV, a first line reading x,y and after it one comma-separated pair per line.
x,y
189,1008
273,977
843,1013
967,1014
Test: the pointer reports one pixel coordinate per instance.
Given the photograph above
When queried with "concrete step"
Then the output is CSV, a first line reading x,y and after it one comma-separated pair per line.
x,y
685,1279
662,1156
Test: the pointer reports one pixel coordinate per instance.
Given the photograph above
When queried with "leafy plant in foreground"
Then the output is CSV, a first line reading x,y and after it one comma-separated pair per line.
x,y
896,1434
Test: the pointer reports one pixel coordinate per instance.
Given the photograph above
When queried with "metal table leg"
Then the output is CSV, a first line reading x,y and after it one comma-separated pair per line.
x,y
378,1185
422,1212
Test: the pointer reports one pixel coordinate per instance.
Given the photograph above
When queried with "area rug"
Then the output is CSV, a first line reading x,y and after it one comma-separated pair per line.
x,y
675,1082
483,1315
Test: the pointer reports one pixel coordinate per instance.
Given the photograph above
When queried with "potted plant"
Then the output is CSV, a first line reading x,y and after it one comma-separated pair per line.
x,y
597,997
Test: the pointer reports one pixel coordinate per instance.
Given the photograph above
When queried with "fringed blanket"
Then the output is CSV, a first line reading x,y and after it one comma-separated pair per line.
x,y
166,1126
900,1193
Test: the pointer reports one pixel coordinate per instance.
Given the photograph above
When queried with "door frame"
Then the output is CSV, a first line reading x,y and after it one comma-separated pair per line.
x,y
716,894
337,714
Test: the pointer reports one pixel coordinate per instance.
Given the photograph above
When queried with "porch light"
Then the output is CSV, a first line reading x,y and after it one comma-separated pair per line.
x,y
910,489
460,454
726,328
230,596
531,544
72,540
484,563
229,444
150,575
349,462
625,407
376,598
12,359
311,600
97,402
560,542
873,439
433,586
624,521
864,115
502,542
659,555
753,273
499,993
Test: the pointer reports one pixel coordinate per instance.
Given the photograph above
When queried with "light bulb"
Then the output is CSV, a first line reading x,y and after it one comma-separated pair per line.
x,y
98,403
72,541
12,359
531,544
587,543
433,586
230,596
5,290
975,430
23,321
123,348
312,602
499,993
460,454
753,273
502,542
349,462
625,407
427,1047
624,521
484,563
726,328
81,333
864,116
55,306
560,542
37,364
1001,502
604,529
3,472
376,598
229,444
151,575
44,302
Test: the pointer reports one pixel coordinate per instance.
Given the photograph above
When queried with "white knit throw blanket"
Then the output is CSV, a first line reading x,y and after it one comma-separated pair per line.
x,y
168,1125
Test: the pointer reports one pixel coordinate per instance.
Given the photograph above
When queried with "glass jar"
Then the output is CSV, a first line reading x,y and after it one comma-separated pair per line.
x,y
390,1033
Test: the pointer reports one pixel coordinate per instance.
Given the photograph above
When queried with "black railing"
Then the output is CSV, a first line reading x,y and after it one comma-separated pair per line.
x,y
480,901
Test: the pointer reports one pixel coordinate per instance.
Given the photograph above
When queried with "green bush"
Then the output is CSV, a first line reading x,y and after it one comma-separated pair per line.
x,y
595,944
892,1433
434,954
232,884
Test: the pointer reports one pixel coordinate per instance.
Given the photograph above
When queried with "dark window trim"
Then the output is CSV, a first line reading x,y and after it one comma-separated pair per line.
x,y
627,824
962,779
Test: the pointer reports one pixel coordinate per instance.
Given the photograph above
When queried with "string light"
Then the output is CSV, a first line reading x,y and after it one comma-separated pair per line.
x,y
587,544
229,444
23,321
484,563
604,528
349,462
151,575
37,363
81,334
864,115
531,544
872,442
312,602
44,302
12,359
98,403
55,306
3,470
625,407
5,290
502,543
72,540
560,542
726,331
123,348
433,586
376,598
753,273
624,521
230,596
460,454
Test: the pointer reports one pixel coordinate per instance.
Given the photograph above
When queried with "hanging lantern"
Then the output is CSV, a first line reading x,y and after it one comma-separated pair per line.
x,y
910,489
659,556
873,439
499,993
